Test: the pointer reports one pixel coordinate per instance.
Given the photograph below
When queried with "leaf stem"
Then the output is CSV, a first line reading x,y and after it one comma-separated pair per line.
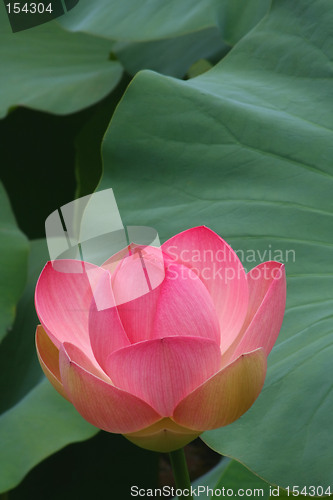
x,y
180,471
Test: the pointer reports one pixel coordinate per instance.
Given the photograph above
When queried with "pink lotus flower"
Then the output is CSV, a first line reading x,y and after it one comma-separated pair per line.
x,y
167,363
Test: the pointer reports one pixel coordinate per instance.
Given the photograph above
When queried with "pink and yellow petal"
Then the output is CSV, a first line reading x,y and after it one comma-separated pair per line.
x,y
48,355
102,404
226,396
221,271
267,286
106,331
63,295
78,357
164,436
163,371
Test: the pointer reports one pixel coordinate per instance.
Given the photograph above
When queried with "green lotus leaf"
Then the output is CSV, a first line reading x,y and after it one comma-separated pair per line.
x,y
14,250
49,69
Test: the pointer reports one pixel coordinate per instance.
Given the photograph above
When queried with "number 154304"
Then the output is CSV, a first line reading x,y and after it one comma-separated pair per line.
x,y
28,8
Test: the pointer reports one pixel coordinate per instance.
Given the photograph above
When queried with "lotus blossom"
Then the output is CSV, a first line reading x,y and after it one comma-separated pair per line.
x,y
165,362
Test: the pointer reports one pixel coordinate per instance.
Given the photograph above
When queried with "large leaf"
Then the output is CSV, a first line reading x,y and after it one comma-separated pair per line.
x,y
20,370
13,263
237,478
88,141
50,69
246,149
65,72
36,421
230,479
140,21
158,20
172,56
167,37
39,425
236,18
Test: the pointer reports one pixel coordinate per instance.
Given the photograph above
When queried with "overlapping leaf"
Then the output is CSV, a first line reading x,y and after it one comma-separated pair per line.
x,y
172,56
158,20
48,69
65,72
13,263
131,21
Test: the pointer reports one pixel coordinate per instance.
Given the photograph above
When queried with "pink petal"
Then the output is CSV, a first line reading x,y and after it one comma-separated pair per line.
x,y
267,288
220,270
138,273
153,256
173,301
135,284
115,260
163,371
184,306
81,359
106,331
63,298
226,396
102,404
137,316
48,355
164,436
